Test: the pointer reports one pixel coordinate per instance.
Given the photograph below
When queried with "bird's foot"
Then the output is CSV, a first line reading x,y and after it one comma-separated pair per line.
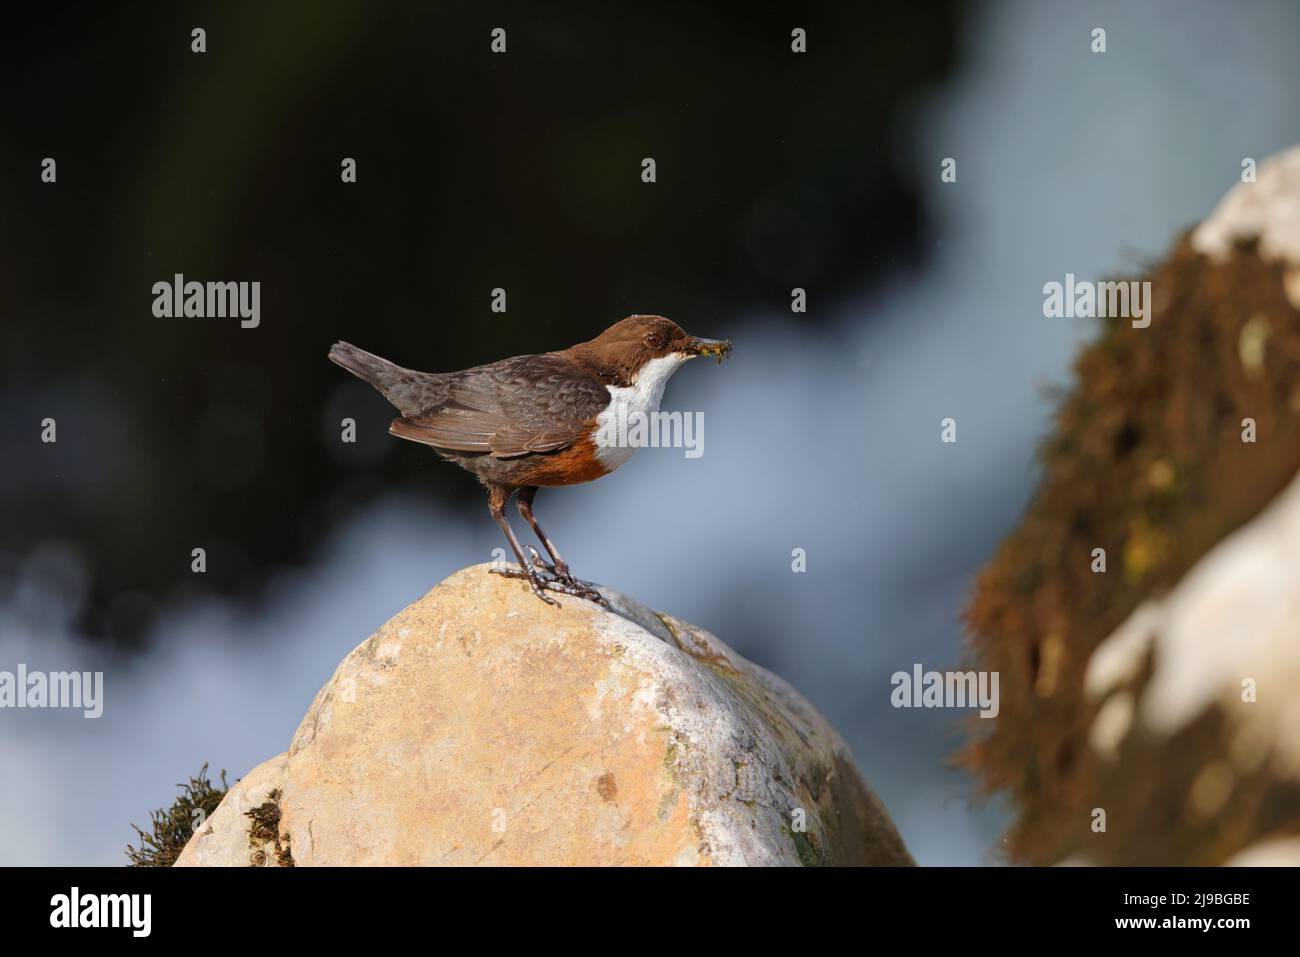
x,y
560,572
529,574
571,586
543,577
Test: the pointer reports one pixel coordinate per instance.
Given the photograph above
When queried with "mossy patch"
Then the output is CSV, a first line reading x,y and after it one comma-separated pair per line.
x,y
171,828
808,856
265,829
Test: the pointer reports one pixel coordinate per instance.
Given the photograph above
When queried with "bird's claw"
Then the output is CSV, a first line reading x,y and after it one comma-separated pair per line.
x,y
571,586
543,577
529,575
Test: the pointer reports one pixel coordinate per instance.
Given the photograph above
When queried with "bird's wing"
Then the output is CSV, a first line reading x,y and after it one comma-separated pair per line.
x,y
509,408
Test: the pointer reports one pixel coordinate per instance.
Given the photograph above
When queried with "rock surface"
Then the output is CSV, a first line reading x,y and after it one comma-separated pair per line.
x,y
480,726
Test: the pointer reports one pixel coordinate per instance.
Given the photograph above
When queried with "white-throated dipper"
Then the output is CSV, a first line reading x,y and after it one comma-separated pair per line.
x,y
541,420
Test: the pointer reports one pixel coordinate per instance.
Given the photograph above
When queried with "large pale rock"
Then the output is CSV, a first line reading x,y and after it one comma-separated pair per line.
x,y
480,726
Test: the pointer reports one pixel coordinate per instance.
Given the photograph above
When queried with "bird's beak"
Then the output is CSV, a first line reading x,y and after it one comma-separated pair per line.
x,y
693,346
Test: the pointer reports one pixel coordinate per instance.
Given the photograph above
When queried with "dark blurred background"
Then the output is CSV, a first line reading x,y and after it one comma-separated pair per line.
x,y
475,171
522,171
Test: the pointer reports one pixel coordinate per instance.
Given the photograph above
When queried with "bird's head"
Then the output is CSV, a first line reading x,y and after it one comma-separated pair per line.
x,y
639,342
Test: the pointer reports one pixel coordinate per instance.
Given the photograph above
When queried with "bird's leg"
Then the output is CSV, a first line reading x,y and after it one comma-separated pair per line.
x,y
498,495
525,502
561,568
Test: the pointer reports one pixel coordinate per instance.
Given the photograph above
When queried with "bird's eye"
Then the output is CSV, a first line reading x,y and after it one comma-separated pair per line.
x,y
655,340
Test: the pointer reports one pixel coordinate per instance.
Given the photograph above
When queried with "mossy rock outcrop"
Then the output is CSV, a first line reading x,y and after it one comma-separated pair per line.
x,y
1149,713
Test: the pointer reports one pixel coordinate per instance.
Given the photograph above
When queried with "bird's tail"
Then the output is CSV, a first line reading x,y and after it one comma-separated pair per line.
x,y
380,373
406,389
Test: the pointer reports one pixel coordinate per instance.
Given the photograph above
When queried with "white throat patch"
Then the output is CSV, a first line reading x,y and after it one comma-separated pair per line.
x,y
628,403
